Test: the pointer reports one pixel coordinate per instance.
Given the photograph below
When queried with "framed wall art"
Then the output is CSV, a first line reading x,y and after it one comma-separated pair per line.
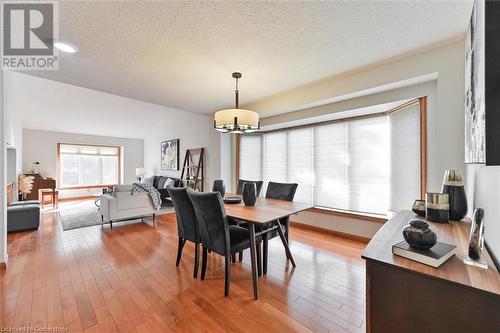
x,y
170,155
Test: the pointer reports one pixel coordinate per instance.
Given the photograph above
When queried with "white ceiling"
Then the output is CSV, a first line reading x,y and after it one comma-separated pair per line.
x,y
181,54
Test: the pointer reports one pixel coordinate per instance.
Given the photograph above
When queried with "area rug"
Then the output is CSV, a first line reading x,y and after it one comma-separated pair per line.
x,y
81,214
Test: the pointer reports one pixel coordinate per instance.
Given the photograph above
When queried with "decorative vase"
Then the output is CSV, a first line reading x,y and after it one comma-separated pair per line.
x,y
476,241
437,207
219,187
419,207
419,236
249,194
453,185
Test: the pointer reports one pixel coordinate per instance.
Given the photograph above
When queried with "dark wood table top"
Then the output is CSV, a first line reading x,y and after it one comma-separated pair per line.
x,y
453,270
265,210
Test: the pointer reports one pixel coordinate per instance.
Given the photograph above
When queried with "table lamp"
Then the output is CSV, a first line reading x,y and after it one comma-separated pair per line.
x,y
139,173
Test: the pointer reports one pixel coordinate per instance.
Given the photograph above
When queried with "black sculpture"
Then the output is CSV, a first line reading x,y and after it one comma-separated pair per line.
x,y
419,236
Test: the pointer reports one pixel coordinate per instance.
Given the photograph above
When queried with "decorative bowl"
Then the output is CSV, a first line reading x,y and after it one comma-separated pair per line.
x,y
419,207
232,200
419,236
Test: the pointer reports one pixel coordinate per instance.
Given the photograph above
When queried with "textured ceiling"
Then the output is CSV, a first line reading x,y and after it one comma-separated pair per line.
x,y
182,54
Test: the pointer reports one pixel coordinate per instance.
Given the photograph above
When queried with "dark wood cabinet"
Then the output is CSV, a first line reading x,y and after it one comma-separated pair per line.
x,y
406,296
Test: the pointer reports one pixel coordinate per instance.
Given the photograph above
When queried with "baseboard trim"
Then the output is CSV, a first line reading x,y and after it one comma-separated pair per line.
x,y
86,197
329,231
492,256
3,264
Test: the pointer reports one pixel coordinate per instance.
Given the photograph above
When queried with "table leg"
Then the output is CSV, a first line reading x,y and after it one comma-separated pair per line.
x,y
253,257
285,244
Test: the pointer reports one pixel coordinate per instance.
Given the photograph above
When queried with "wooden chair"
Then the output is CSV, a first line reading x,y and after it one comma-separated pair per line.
x,y
53,195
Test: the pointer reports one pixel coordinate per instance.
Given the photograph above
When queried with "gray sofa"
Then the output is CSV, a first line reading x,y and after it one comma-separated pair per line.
x,y
23,215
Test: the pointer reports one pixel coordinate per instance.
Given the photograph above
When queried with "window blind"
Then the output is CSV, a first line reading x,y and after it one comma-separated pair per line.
x,y
300,162
330,162
274,158
251,157
369,165
405,157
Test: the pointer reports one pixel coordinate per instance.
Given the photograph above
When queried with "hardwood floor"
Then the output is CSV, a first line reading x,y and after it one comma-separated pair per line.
x,y
125,280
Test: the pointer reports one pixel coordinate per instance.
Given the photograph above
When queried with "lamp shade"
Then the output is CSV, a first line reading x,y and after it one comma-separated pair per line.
x,y
140,172
236,121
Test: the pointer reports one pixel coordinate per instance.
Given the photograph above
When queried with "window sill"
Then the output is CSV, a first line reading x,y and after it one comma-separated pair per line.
x,y
356,215
85,187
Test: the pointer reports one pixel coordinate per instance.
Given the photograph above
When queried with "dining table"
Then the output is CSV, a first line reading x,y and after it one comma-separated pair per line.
x,y
266,212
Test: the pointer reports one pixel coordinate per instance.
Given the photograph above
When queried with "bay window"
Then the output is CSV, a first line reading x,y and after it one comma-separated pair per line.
x,y
366,164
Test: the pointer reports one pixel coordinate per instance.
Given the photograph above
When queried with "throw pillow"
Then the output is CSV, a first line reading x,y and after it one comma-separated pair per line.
x,y
148,180
169,182
161,182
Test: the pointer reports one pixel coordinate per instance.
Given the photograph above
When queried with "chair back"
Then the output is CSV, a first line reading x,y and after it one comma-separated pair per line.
x,y
187,225
212,221
281,191
258,184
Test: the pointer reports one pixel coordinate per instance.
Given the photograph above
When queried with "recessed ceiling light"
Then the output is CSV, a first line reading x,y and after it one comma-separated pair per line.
x,y
66,47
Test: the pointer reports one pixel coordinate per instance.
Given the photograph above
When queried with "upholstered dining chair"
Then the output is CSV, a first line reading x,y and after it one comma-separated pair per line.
x,y
239,190
280,191
187,225
258,184
216,234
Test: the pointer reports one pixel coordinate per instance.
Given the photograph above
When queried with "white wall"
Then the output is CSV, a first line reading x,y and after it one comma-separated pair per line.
x,y
483,191
36,103
445,110
225,162
3,174
41,146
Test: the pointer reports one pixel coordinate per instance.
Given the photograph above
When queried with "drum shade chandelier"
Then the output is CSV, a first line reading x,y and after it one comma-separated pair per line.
x,y
236,120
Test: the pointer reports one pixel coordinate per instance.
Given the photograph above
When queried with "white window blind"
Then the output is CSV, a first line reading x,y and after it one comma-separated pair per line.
x,y
405,157
251,157
330,162
81,165
300,163
369,165
275,158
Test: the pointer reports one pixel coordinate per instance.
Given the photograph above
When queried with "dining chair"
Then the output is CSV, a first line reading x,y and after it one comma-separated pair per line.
x,y
187,225
216,234
258,184
239,190
280,191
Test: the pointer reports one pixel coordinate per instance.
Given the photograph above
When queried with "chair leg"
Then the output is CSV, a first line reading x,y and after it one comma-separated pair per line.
x,y
286,234
110,224
227,281
102,222
196,259
154,220
259,259
179,251
204,263
233,258
240,256
265,247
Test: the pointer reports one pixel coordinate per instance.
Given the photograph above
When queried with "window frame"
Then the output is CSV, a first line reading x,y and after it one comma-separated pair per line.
x,y
80,187
422,102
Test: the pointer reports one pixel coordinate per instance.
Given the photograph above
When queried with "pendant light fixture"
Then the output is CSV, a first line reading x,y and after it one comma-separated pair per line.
x,y
236,120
